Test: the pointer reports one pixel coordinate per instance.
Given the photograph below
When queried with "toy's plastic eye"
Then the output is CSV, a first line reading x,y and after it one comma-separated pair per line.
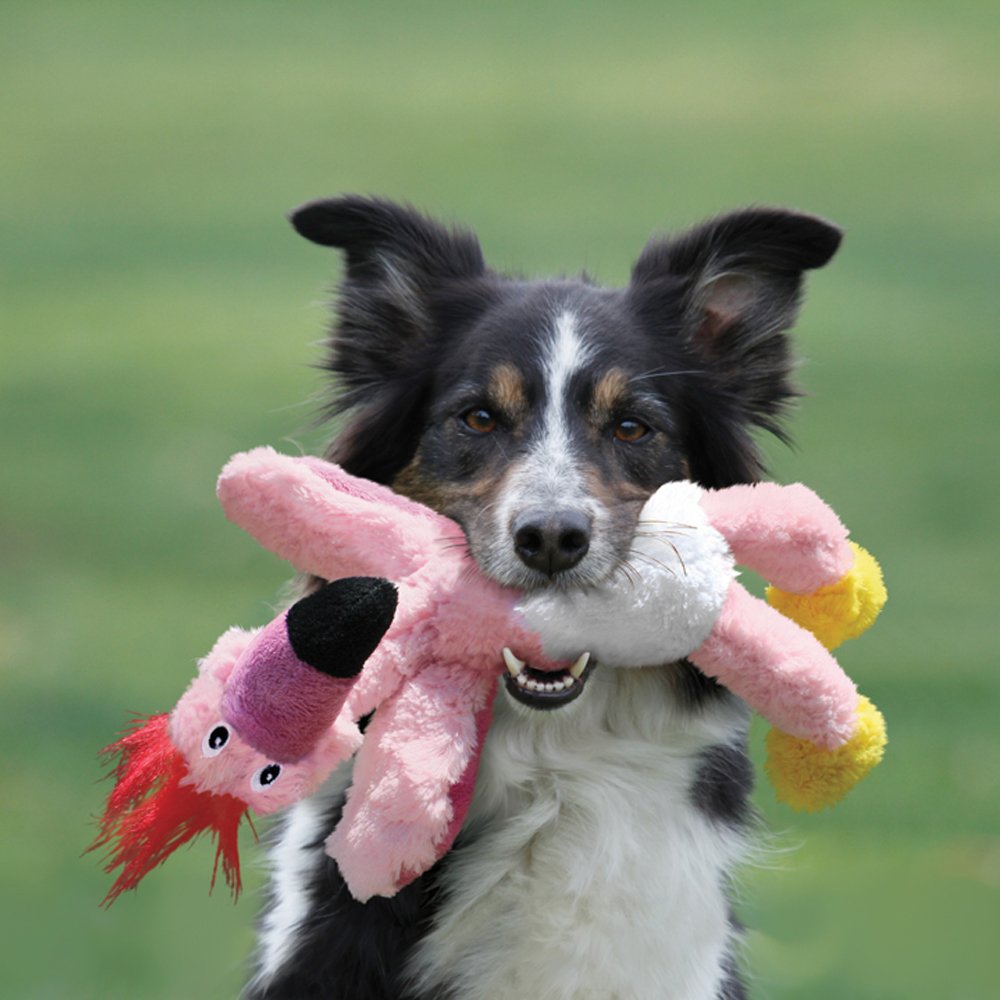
x,y
630,431
265,777
215,741
479,421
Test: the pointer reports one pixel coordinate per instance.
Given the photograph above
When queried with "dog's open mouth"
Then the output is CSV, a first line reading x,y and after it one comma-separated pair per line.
x,y
545,689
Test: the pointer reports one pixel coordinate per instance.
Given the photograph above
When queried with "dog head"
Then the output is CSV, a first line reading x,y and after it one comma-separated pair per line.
x,y
541,415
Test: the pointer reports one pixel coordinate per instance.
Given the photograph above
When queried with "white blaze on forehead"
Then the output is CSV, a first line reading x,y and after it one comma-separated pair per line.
x,y
553,466
566,355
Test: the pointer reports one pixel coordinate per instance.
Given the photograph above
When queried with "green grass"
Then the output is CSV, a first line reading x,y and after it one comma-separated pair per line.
x,y
157,314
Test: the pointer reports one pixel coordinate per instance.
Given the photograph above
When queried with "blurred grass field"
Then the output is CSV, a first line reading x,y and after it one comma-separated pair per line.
x,y
158,314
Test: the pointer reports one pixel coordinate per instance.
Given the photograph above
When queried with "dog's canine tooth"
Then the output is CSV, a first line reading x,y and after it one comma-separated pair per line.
x,y
513,664
581,664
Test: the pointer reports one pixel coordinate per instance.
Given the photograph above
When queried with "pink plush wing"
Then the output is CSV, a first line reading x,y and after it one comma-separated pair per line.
x,y
780,670
326,522
412,779
787,534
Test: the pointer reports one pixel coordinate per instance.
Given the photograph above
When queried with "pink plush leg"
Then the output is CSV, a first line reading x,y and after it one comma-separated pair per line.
x,y
408,797
780,670
329,524
787,534
461,792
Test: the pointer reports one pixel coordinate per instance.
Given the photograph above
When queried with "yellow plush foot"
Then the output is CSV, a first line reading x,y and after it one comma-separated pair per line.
x,y
844,609
809,778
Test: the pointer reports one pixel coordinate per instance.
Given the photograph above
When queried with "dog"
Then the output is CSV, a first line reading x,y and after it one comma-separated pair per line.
x,y
606,822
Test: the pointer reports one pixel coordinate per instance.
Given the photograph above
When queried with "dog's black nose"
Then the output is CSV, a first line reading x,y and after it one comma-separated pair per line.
x,y
551,541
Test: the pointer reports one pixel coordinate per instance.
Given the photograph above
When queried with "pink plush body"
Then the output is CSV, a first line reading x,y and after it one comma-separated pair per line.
x,y
433,677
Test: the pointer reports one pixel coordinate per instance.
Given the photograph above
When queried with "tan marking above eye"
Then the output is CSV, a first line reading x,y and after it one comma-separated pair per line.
x,y
507,389
609,390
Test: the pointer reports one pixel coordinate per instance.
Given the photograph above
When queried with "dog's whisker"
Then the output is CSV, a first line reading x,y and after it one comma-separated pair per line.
x,y
631,574
665,541
677,553
449,543
652,561
663,373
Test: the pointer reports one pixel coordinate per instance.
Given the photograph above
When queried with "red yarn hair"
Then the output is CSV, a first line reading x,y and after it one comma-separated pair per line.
x,y
154,808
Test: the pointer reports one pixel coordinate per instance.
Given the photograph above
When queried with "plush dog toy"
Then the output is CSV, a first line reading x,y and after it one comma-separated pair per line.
x,y
272,713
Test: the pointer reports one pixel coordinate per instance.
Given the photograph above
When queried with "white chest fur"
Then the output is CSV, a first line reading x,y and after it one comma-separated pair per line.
x,y
592,876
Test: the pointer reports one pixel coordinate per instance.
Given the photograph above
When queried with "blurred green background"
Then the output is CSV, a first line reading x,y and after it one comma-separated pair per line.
x,y
159,314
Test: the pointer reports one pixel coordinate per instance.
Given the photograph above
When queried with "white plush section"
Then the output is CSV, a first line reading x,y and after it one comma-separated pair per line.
x,y
592,875
657,607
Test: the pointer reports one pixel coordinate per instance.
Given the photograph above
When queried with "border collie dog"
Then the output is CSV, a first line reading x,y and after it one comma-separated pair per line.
x,y
540,415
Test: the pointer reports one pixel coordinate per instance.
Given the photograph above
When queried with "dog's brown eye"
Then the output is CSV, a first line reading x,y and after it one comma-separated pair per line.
x,y
630,431
480,421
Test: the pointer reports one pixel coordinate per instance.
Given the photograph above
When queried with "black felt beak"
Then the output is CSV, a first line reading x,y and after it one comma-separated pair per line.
x,y
336,628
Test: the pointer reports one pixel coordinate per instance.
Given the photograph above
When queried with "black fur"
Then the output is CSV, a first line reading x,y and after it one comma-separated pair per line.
x,y
350,950
409,284
694,689
732,987
723,784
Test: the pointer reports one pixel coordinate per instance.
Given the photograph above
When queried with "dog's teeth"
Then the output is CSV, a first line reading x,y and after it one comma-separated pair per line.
x,y
513,664
522,680
558,686
581,664
569,680
550,687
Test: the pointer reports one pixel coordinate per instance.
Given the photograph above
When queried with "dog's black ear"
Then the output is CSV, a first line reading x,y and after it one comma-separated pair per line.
x,y
729,288
407,281
397,262
387,242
